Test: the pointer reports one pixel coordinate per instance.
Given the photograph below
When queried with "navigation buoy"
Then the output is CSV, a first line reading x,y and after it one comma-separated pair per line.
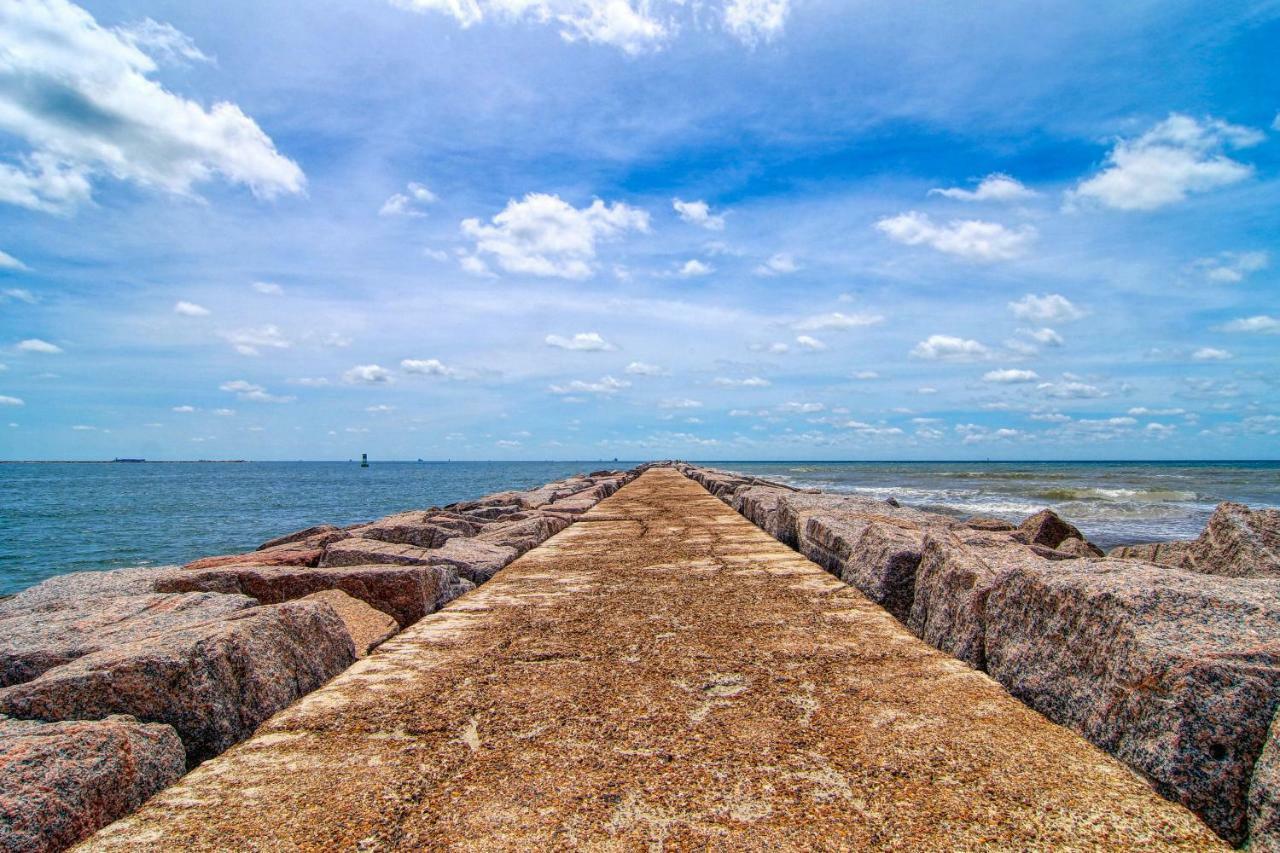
x,y
364,460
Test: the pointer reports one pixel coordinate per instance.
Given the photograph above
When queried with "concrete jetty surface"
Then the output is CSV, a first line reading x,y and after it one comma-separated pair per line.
x,y
661,675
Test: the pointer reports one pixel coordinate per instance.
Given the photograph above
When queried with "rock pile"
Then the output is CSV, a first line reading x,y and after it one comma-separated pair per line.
x,y
112,684
1146,653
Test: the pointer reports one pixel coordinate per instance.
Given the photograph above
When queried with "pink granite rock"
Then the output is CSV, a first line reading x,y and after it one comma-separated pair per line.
x,y
283,556
1047,528
358,551
524,534
60,782
876,554
1175,673
473,559
1264,795
315,537
213,682
982,522
406,593
957,572
84,585
407,528
39,638
369,628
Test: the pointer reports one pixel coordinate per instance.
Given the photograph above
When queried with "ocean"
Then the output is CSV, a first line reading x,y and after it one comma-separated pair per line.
x,y
65,517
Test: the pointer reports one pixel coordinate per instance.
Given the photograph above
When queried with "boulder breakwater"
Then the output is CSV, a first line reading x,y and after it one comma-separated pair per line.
x,y
1165,655
113,684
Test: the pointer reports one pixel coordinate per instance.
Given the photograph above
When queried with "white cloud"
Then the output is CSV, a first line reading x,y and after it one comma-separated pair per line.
x,y
9,262
679,403
84,428
185,410
949,348
380,409
253,393
190,309
794,408
1233,267
267,287
543,235
640,368
427,367
607,385
311,382
1211,354
1049,308
866,375
81,96
1046,336
6,400
253,341
835,321
624,24
1007,377
37,345
776,348
1071,390
966,238
225,413
783,263
810,343
581,342
994,187
162,41
751,382
1260,324
20,294
410,202
1143,410
694,268
1178,157
698,213
507,443
367,374
755,21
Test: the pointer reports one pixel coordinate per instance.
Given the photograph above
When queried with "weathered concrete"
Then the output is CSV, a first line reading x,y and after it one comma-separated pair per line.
x,y
662,674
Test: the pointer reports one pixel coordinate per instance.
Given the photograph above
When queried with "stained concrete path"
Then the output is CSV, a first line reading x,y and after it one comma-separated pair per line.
x,y
662,676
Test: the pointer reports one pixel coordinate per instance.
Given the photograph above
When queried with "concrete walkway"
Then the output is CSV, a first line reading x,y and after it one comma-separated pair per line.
x,y
666,676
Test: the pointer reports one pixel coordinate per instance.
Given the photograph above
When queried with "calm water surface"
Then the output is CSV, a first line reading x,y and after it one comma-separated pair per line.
x,y
63,517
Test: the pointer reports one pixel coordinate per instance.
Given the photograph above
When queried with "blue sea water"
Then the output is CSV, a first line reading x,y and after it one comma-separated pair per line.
x,y
64,517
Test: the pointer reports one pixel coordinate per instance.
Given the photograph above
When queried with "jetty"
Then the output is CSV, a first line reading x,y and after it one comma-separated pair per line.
x,y
660,674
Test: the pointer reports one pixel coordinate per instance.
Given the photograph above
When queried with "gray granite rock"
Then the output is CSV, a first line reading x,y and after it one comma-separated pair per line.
x,y
213,682
60,782
1175,673
84,585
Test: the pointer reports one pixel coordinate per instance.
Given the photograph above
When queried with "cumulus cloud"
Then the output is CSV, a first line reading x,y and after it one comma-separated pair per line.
x,y
1261,324
544,235
1178,157
38,346
9,262
640,368
782,263
1233,267
625,24
1211,354
994,187
253,341
835,321
1049,308
19,294
186,410
427,367
1071,390
810,343
81,96
410,202
973,239
698,213
1008,377
6,400
367,374
949,348
606,386
581,342
866,375
751,382
679,403
794,408
246,390
1046,336
755,21
267,287
190,309
694,268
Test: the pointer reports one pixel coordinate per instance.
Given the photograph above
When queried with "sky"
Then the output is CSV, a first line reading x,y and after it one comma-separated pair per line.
x,y
588,229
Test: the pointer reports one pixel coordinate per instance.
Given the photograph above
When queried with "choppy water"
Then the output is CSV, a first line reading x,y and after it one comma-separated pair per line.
x,y
67,517
63,517
1113,503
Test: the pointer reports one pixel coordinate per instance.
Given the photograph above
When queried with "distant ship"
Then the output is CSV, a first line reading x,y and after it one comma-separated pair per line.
x,y
118,459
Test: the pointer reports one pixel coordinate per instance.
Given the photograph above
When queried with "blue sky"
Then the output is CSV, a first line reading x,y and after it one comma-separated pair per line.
x,y
727,229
